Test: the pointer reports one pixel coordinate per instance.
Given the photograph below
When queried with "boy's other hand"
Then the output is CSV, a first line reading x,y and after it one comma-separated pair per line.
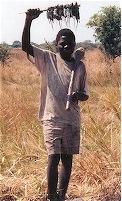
x,y
74,97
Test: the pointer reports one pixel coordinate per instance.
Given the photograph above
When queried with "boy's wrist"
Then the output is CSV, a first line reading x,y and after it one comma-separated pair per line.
x,y
74,96
28,20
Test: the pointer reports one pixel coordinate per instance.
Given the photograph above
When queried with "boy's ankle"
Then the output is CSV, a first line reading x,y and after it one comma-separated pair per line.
x,y
61,198
52,198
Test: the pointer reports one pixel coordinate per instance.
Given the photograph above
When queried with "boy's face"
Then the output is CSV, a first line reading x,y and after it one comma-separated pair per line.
x,y
65,47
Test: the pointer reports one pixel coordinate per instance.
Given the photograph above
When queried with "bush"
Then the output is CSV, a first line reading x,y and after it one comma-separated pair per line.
x,y
4,53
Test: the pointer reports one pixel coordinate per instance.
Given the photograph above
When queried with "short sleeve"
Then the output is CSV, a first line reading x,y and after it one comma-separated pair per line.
x,y
39,56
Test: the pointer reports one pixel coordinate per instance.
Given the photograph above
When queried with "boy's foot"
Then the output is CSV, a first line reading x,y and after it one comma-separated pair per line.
x,y
61,198
53,199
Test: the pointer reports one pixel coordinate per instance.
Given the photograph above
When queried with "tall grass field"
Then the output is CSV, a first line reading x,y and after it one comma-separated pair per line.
x,y
23,158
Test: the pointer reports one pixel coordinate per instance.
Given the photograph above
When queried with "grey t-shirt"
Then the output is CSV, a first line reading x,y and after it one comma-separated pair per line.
x,y
55,77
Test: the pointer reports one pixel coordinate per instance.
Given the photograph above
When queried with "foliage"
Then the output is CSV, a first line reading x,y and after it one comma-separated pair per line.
x,y
16,44
87,45
35,44
4,53
48,46
107,25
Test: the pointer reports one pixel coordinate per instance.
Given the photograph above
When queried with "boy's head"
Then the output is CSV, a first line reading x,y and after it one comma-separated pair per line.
x,y
65,43
64,32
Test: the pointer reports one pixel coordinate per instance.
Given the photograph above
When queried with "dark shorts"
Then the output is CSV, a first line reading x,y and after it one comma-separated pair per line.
x,y
61,138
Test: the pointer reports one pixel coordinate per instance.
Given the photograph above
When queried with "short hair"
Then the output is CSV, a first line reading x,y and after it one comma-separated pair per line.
x,y
64,32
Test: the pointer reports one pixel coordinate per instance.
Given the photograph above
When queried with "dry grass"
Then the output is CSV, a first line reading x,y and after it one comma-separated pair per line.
x,y
23,159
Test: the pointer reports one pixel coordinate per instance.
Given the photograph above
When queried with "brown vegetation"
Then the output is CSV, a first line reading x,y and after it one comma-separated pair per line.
x,y
23,159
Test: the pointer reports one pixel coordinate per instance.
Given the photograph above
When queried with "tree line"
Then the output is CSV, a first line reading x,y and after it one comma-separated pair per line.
x,y
87,44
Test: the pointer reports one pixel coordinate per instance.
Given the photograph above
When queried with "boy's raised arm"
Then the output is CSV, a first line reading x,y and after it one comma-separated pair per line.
x,y
30,15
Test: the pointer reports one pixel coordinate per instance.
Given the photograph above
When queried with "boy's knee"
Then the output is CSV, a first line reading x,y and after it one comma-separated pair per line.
x,y
53,159
66,159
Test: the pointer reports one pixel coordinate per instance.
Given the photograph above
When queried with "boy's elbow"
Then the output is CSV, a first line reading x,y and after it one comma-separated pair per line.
x,y
28,49
86,97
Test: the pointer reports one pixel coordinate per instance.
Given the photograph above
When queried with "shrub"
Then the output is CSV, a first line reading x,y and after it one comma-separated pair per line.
x,y
4,53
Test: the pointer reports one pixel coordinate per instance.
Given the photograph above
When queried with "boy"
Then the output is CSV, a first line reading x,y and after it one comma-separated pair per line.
x,y
61,127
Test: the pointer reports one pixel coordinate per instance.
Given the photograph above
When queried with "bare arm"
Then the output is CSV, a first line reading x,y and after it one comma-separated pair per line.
x,y
30,15
82,92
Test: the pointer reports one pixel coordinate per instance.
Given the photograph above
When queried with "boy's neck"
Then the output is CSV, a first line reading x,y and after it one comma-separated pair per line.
x,y
68,59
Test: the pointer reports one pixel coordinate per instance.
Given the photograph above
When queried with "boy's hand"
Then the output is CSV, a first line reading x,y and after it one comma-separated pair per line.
x,y
74,97
32,14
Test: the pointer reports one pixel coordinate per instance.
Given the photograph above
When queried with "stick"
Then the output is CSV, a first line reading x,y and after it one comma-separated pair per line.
x,y
78,55
70,90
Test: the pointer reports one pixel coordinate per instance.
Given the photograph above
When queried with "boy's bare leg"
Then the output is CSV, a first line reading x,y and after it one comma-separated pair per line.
x,y
52,175
65,175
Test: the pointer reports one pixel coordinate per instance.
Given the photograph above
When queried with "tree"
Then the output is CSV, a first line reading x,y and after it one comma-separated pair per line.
x,y
16,44
4,53
107,26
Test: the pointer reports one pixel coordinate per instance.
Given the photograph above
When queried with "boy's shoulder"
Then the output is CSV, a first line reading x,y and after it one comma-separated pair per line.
x,y
44,51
